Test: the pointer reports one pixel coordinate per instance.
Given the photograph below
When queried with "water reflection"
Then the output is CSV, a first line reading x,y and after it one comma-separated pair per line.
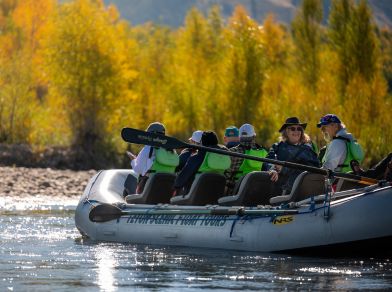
x,y
41,250
106,264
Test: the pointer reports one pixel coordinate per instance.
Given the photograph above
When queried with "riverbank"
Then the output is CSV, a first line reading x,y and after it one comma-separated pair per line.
x,y
23,155
24,182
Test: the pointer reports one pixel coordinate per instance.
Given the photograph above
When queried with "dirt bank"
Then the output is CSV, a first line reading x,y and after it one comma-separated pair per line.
x,y
22,181
59,158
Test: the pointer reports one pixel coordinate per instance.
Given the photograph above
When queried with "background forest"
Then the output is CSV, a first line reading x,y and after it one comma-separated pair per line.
x,y
73,73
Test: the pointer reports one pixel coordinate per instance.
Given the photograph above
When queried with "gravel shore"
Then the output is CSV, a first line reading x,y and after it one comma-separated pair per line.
x,y
22,181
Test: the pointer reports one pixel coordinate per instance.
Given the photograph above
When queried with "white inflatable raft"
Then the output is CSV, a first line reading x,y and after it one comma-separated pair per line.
x,y
360,217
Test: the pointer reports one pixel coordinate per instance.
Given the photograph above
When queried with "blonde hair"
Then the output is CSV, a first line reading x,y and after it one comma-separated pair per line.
x,y
305,139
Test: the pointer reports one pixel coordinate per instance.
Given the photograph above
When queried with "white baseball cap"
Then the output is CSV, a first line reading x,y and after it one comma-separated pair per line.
x,y
247,131
196,136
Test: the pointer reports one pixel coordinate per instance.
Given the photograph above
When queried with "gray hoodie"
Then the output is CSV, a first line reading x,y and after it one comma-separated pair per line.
x,y
337,151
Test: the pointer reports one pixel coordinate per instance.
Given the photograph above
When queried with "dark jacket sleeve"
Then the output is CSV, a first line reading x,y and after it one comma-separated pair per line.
x,y
307,156
190,169
183,158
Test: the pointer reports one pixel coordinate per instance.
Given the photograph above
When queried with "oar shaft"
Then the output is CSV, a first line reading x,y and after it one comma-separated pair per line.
x,y
157,140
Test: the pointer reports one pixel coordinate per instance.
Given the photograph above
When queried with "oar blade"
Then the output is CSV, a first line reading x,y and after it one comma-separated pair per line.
x,y
104,213
135,136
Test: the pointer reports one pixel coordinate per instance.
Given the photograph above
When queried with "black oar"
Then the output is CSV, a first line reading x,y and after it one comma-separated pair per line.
x,y
107,212
158,140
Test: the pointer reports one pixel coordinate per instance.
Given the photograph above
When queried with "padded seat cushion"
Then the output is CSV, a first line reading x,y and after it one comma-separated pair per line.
x,y
206,189
307,184
254,190
158,189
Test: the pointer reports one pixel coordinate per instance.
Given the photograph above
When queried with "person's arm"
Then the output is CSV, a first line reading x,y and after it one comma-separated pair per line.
x,y
183,158
142,163
130,155
335,155
189,170
272,154
273,169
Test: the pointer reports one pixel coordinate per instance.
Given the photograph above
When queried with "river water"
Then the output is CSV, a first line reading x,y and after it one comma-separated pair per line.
x,y
41,250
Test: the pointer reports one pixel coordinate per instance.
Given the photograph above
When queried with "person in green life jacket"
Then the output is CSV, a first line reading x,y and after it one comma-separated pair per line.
x,y
196,163
152,159
294,146
239,166
338,155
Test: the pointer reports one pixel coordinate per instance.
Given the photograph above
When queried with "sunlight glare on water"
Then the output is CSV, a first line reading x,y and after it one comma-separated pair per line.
x,y
106,264
38,202
41,250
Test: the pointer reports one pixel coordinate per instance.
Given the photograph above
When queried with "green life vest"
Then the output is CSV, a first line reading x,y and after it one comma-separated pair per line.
x,y
249,165
214,162
315,148
353,152
165,160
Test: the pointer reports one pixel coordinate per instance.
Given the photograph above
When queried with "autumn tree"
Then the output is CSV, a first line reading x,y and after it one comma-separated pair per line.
x,y
362,86
24,22
352,34
385,36
245,67
154,54
277,47
196,73
88,67
307,33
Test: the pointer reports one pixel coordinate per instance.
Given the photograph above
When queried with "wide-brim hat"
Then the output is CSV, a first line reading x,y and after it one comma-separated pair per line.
x,y
292,122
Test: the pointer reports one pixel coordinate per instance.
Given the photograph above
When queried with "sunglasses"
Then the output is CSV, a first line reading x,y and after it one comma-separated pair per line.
x,y
295,129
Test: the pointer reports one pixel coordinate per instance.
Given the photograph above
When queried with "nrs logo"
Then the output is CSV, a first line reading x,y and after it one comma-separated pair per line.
x,y
283,220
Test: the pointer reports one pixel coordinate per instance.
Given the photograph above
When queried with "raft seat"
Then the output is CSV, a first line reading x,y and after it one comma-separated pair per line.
x,y
158,189
254,189
306,184
130,185
206,189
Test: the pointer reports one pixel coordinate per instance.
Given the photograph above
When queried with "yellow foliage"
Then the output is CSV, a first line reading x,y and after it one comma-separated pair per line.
x,y
31,17
72,69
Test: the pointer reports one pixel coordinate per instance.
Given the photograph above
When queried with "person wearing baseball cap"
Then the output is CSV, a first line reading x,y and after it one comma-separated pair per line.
x,y
336,157
145,162
231,137
188,152
240,167
196,137
185,177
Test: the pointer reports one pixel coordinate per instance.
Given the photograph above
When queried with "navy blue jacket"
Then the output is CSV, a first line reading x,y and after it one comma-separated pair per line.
x,y
186,176
284,151
183,158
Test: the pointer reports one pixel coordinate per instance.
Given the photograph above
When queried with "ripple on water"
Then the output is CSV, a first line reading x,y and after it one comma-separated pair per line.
x,y
40,249
37,204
